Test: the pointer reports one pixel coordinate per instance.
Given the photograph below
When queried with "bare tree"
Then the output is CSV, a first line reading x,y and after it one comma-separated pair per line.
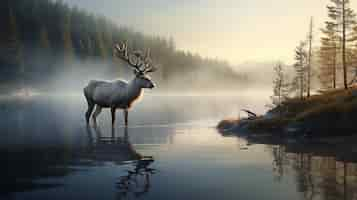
x,y
310,38
280,84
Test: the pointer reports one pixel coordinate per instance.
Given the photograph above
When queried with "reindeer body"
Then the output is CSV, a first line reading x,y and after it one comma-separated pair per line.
x,y
117,94
120,94
114,95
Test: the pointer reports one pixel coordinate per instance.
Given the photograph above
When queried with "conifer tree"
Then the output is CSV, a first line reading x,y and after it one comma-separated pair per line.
x,y
11,53
299,81
43,55
328,56
67,41
342,18
100,41
309,58
44,40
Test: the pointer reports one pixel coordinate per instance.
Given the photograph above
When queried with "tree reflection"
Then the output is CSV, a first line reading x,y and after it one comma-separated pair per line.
x,y
278,161
318,174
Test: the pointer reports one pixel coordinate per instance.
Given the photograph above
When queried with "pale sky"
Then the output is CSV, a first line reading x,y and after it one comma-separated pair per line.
x,y
235,30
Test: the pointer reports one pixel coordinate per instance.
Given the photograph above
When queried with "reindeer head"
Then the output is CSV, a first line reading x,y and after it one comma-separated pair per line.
x,y
139,61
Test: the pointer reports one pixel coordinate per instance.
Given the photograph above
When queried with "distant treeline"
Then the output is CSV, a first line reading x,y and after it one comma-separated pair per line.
x,y
40,38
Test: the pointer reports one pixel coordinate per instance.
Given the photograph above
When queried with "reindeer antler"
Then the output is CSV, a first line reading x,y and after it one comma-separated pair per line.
x,y
149,66
141,63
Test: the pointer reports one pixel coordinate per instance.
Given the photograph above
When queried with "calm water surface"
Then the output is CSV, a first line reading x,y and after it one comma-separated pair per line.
x,y
48,152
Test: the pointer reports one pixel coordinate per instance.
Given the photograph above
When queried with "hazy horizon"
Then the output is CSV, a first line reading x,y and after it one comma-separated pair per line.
x,y
236,31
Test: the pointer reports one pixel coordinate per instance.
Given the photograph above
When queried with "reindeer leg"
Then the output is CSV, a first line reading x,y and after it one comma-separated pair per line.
x,y
89,111
112,110
91,104
126,117
97,111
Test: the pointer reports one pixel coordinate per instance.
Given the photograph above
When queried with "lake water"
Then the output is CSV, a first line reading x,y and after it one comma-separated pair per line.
x,y
48,152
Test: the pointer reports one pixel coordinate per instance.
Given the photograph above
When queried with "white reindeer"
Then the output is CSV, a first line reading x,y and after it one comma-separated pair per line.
x,y
120,94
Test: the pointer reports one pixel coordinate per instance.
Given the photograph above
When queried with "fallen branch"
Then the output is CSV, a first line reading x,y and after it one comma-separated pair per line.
x,y
251,115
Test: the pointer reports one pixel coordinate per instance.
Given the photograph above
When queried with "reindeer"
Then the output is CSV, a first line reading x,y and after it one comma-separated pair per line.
x,y
120,94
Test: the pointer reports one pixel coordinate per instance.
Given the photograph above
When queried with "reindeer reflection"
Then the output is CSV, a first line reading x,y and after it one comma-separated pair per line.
x,y
110,148
120,150
130,183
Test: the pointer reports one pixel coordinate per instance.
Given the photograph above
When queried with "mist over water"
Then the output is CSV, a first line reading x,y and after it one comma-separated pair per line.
x,y
72,78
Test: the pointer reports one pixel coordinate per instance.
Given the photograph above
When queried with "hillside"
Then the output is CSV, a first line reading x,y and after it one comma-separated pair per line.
x,y
43,38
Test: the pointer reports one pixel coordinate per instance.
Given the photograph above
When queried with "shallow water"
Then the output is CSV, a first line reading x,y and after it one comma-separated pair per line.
x,y
48,152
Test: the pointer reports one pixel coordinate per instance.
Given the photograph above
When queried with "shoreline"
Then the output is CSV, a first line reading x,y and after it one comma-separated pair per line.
x,y
331,114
